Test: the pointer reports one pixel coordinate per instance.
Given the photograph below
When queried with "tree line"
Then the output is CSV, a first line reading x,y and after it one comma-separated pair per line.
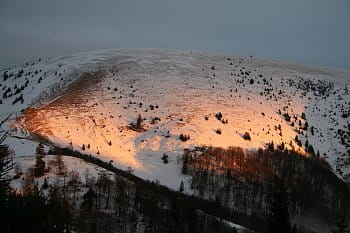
x,y
245,181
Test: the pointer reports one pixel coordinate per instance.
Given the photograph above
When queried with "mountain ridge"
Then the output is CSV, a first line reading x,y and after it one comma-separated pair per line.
x,y
249,93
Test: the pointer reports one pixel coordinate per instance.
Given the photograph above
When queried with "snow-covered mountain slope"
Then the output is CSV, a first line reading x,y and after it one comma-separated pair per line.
x,y
90,102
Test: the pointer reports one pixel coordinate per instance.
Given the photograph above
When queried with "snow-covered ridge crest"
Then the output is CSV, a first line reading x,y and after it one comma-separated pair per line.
x,y
88,102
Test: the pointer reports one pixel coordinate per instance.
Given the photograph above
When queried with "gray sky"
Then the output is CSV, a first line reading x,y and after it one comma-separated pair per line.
x,y
303,31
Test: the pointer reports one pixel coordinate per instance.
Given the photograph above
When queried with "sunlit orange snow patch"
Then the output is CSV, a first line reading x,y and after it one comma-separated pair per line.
x,y
89,134
34,121
99,127
258,118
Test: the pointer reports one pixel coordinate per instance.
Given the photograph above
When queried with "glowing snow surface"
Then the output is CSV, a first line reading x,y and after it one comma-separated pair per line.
x,y
184,90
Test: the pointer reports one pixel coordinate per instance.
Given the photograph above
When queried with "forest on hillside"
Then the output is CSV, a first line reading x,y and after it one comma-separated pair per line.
x,y
269,190
245,181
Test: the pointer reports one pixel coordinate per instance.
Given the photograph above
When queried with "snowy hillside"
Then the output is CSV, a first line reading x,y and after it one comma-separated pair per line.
x,y
92,102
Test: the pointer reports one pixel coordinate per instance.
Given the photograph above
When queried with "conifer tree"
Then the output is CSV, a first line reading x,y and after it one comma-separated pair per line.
x,y
6,164
279,219
181,189
39,167
40,149
341,226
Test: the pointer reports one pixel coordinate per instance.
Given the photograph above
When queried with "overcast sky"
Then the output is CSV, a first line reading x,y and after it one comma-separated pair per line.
x,y
302,31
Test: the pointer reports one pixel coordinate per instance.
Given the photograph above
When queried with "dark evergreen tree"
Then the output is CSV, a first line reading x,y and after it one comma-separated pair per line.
x,y
45,184
341,225
138,126
307,144
59,211
165,158
186,160
6,164
40,149
246,136
139,121
271,146
279,218
61,167
192,221
311,150
312,130
184,137
181,189
5,76
39,167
